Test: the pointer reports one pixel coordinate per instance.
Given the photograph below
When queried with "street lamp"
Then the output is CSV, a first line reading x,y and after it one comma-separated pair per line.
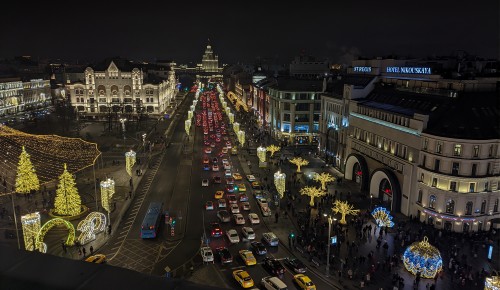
x,y
371,197
330,221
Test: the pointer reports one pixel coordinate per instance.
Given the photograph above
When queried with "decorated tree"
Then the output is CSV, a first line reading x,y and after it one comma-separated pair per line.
x,y
26,179
299,162
344,209
273,149
67,201
324,177
312,192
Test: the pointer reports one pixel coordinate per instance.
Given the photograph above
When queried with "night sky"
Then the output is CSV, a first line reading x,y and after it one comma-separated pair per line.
x,y
242,31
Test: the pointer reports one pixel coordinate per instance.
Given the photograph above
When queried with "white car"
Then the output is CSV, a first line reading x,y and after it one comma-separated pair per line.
x,y
207,254
248,233
234,208
271,239
266,211
245,205
273,283
228,173
233,236
238,219
215,167
253,218
250,178
227,166
204,182
262,202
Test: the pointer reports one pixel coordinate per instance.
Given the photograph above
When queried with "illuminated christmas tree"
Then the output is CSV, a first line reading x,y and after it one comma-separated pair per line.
x,y
324,178
273,149
344,209
312,192
26,179
299,162
67,201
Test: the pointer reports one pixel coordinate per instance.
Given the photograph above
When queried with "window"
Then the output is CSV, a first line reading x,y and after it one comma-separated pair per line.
x,y
287,106
317,106
476,151
473,170
432,201
422,177
434,182
436,164
472,187
419,198
302,107
483,206
453,186
424,161
495,207
490,151
468,208
426,143
439,147
286,117
450,206
457,151
455,168
316,117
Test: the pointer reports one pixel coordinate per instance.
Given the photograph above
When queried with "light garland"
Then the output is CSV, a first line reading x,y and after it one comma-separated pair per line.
x,y
382,217
67,201
70,240
421,257
299,162
492,283
93,224
279,182
312,192
323,178
107,192
344,208
26,180
231,118
241,137
190,115
130,158
224,105
261,153
228,110
31,224
187,126
273,149
236,127
449,218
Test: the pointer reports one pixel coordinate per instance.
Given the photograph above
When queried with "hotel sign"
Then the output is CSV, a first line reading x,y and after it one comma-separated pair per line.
x,y
364,69
408,70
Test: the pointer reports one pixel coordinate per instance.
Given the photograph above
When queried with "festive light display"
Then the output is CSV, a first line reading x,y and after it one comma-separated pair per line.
x,y
324,178
231,118
241,137
492,283
344,209
67,201
312,192
47,153
279,182
130,158
187,126
93,224
31,224
26,179
191,108
424,258
236,127
299,162
228,110
382,217
448,218
107,192
224,105
190,115
273,149
70,240
261,153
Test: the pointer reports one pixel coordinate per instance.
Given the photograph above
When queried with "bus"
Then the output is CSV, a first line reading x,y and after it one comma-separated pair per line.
x,y
151,222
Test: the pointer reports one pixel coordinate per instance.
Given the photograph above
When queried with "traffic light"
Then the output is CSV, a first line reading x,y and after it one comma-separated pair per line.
x,y
292,235
173,222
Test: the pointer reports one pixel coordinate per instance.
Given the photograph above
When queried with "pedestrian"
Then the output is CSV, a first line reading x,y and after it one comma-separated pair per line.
x,y
84,252
91,250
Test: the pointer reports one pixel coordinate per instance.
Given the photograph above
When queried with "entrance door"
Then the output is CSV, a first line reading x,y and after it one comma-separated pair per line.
x,y
447,226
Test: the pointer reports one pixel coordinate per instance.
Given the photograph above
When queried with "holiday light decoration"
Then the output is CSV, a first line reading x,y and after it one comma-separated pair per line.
x,y
324,178
382,217
70,240
26,179
224,105
130,158
195,102
312,192
492,283
236,127
231,118
273,149
191,108
93,224
279,182
107,192
67,201
241,137
261,153
31,224
344,209
190,115
228,110
421,257
187,126
299,162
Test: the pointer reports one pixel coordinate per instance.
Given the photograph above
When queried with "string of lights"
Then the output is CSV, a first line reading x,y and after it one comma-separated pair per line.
x,y
94,223
31,224
70,240
448,218
130,158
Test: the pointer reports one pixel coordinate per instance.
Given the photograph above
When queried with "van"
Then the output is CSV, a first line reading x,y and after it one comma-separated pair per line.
x,y
273,283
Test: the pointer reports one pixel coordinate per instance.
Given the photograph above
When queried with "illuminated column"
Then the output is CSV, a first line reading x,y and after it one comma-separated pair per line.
x,y
190,115
236,127
187,126
224,105
31,226
195,102
261,153
279,182
241,137
130,161
231,118
107,192
123,120
228,110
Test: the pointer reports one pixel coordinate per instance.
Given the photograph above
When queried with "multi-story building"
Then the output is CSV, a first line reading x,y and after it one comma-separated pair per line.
x,y
261,100
308,67
17,96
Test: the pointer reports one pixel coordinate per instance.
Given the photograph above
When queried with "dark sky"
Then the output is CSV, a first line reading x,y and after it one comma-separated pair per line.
x,y
241,31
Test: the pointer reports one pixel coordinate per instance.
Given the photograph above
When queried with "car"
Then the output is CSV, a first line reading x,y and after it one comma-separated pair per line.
x,y
304,282
238,218
219,194
243,278
96,259
215,167
248,257
242,187
228,144
250,178
208,150
232,199
224,150
258,248
206,160
243,197
266,211
296,265
273,266
229,188
224,255
232,236
256,185
248,233
223,216
212,145
215,160
234,208
227,173
273,283
204,182
207,254
217,179
230,180
221,203
227,166
253,218
237,176
209,205
271,239
206,167
216,230
245,205
262,202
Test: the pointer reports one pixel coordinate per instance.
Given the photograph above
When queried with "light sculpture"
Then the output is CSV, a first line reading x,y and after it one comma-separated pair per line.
x,y
190,115
231,118
323,178
93,224
312,192
421,257
26,179
279,182
130,158
241,137
31,224
236,127
228,110
344,209
492,283
382,217
107,192
67,201
70,240
273,149
187,126
261,153
299,162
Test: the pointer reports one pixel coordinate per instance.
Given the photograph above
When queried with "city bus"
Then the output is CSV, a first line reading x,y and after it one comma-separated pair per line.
x,y
151,222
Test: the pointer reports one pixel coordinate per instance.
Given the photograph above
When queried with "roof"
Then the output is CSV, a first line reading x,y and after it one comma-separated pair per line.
x,y
298,85
122,64
335,87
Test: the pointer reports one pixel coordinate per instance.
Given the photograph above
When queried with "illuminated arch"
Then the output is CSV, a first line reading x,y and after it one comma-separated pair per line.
x,y
93,224
356,166
41,246
384,175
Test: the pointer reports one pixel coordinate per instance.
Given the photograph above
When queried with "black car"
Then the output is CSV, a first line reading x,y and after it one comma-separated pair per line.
x,y
223,216
258,248
217,179
216,230
274,266
224,255
296,265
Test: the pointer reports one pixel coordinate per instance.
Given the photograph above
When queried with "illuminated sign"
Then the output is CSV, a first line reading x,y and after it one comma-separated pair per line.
x,y
490,252
333,240
408,70
365,69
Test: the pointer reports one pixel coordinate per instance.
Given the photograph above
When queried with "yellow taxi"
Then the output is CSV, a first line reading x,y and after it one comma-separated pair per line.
x,y
248,257
304,282
219,194
242,187
97,259
243,278
256,185
237,176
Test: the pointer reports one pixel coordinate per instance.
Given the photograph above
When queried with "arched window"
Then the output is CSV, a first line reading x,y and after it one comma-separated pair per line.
x,y
468,208
483,206
419,199
450,206
495,206
432,201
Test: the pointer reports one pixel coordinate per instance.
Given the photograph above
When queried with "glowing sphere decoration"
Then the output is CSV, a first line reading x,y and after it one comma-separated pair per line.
x,y
424,258
492,283
382,217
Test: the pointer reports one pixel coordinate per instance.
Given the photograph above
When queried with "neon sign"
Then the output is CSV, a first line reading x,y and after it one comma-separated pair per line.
x,y
364,69
408,70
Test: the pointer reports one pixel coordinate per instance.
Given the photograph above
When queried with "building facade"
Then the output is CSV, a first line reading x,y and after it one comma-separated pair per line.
x,y
17,96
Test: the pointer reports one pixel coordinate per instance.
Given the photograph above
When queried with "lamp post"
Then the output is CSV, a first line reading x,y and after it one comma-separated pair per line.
x,y
330,221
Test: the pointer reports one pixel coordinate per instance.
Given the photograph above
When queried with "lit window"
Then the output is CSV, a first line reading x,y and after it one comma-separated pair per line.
x,y
432,201
468,208
439,147
457,151
450,206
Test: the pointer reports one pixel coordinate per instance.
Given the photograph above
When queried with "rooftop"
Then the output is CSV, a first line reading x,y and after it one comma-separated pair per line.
x,y
298,85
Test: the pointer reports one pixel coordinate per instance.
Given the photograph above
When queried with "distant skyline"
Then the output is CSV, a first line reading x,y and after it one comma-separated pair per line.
x,y
245,31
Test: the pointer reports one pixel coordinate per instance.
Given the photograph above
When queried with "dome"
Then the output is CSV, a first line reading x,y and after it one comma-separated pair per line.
x,y
424,258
